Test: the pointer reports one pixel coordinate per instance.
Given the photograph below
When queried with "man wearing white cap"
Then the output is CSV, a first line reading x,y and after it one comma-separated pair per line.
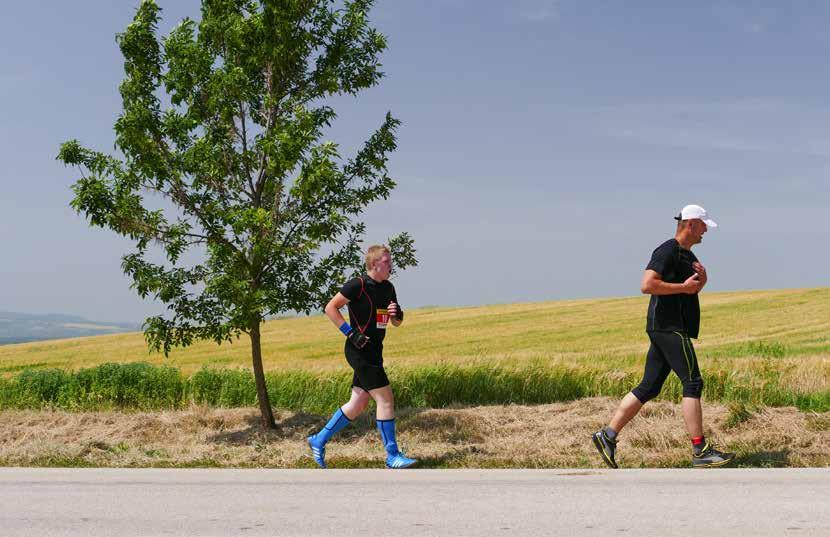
x,y
673,278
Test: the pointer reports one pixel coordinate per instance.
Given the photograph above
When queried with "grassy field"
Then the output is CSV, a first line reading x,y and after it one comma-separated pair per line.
x,y
520,385
781,332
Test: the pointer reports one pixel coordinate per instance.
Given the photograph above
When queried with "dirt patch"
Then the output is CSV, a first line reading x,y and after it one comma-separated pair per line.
x,y
543,436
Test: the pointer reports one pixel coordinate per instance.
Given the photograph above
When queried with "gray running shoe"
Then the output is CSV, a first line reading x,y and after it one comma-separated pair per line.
x,y
709,457
606,447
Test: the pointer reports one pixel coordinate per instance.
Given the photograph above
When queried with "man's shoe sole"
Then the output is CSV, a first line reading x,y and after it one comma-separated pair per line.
x,y
401,467
714,464
605,457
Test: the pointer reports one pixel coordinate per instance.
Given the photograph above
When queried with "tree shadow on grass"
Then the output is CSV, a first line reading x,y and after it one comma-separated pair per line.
x,y
763,459
452,459
296,426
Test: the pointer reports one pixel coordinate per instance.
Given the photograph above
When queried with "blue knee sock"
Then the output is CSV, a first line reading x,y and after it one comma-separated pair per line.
x,y
338,421
387,435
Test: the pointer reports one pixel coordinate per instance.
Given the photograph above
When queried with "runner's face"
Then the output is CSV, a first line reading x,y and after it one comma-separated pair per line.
x,y
697,228
383,267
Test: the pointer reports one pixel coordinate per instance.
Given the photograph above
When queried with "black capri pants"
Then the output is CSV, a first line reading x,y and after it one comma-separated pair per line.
x,y
669,351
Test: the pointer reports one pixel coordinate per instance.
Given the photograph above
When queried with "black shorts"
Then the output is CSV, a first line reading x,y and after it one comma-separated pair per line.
x,y
368,368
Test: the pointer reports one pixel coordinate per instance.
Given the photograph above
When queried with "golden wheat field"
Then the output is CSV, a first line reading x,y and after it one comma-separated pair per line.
x,y
740,330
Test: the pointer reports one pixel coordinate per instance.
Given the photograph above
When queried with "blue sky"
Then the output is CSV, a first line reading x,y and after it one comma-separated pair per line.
x,y
545,145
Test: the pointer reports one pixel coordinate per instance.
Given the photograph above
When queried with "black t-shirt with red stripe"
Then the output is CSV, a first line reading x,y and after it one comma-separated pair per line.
x,y
368,303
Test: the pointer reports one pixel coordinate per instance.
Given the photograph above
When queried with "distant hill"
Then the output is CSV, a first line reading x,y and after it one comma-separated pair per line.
x,y
24,327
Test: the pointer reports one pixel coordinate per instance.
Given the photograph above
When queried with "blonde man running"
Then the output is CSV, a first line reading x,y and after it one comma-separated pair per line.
x,y
373,305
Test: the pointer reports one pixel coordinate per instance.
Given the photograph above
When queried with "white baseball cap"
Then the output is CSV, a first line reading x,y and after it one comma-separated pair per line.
x,y
690,212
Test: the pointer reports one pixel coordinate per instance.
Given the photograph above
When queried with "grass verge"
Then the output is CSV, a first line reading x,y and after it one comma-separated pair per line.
x,y
511,436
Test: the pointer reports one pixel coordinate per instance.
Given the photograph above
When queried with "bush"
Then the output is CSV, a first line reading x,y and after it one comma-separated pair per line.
x,y
38,388
138,385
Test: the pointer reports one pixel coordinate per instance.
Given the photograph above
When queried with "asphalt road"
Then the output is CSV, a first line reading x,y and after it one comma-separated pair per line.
x,y
145,502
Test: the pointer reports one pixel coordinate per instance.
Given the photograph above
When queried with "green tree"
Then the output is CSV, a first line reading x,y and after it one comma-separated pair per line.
x,y
221,151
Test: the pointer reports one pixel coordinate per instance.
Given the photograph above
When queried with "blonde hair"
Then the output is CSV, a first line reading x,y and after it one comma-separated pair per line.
x,y
374,253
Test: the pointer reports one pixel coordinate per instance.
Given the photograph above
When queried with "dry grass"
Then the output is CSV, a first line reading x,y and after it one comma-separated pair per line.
x,y
544,436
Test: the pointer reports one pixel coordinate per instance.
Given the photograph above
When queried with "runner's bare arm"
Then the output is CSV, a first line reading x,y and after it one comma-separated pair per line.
x,y
653,284
358,339
333,309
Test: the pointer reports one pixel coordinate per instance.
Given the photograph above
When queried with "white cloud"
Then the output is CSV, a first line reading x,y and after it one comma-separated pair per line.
x,y
12,78
538,10
771,126
11,82
755,28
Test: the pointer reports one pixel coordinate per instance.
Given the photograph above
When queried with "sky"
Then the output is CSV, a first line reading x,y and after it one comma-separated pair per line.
x,y
545,145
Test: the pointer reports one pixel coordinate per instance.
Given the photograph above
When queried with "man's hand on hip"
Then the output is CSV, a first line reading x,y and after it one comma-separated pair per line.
x,y
358,339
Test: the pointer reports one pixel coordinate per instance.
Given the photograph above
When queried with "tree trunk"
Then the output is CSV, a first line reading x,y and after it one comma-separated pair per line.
x,y
259,376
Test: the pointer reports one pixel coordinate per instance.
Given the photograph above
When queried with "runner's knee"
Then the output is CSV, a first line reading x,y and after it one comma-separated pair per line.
x,y
360,403
693,388
360,397
384,399
646,392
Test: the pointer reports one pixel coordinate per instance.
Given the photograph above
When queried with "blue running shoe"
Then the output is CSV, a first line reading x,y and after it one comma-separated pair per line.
x,y
318,450
399,461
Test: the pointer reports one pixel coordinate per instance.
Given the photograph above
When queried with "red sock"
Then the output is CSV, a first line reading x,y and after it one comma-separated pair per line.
x,y
697,441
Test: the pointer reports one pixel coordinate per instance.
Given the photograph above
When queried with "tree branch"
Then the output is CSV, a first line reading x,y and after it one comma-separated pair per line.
x,y
270,115
181,197
245,146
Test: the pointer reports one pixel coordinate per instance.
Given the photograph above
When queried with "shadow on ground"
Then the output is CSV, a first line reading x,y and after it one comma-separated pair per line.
x,y
301,424
763,459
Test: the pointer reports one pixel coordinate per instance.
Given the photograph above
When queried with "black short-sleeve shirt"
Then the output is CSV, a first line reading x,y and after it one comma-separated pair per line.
x,y
368,302
679,312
